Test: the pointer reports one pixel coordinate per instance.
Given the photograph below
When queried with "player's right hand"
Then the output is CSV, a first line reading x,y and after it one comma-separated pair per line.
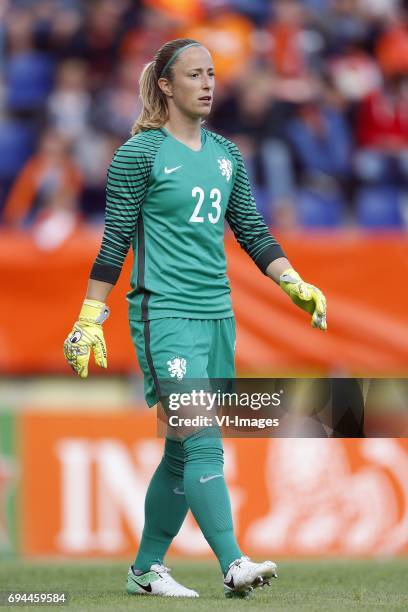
x,y
85,336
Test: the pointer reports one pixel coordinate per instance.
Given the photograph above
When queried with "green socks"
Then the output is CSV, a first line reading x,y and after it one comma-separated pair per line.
x,y
207,493
165,507
190,475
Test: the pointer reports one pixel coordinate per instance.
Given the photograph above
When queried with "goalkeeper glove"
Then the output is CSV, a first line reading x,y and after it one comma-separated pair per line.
x,y
87,334
306,296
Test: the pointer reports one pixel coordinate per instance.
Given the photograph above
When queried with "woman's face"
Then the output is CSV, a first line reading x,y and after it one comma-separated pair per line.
x,y
192,87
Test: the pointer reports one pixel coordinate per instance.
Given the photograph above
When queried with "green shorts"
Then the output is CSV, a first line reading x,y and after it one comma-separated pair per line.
x,y
187,348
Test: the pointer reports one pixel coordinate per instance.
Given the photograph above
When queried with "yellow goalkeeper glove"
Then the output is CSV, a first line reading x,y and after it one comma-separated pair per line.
x,y
306,296
87,335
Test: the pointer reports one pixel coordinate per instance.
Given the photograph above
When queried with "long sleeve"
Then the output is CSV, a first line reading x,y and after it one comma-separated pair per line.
x,y
246,222
128,177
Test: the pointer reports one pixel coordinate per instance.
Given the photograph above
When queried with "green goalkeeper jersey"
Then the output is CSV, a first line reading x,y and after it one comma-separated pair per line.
x,y
170,203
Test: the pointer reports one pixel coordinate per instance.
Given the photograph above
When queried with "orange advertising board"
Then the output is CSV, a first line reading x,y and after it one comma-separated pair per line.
x,y
84,478
367,334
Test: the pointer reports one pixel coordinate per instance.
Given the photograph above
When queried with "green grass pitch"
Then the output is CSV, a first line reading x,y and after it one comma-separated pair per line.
x,y
302,586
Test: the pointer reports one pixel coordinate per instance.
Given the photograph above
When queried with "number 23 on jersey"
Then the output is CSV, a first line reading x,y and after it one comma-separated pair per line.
x,y
215,197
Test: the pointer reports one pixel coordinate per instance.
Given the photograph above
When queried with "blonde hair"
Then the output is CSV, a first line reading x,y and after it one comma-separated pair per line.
x,y
155,112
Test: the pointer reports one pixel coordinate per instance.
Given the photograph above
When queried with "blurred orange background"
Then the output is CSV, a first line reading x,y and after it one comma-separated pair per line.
x,y
85,477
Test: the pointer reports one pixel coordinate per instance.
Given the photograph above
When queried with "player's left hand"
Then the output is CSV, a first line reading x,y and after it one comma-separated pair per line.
x,y
306,296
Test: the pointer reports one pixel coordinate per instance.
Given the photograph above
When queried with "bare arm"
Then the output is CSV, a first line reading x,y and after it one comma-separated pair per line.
x,y
98,290
276,267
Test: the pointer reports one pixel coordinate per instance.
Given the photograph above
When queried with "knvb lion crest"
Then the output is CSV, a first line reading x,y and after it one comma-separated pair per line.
x,y
225,166
177,367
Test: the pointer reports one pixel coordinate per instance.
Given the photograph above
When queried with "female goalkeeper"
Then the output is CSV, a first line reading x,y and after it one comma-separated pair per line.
x,y
169,189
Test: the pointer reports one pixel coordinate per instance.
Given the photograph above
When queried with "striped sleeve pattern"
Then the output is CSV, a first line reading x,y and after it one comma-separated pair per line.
x,y
128,178
245,221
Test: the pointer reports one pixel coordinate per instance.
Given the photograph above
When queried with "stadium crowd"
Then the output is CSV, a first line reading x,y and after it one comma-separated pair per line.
x,y
314,92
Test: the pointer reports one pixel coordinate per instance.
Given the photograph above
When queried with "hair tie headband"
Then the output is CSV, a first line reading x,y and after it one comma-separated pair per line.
x,y
176,54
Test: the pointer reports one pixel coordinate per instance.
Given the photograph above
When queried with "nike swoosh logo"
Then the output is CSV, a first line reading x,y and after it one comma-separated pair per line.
x,y
170,170
230,584
177,491
206,479
147,588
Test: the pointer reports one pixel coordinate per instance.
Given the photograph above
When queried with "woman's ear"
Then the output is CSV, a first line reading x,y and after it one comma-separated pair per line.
x,y
165,86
